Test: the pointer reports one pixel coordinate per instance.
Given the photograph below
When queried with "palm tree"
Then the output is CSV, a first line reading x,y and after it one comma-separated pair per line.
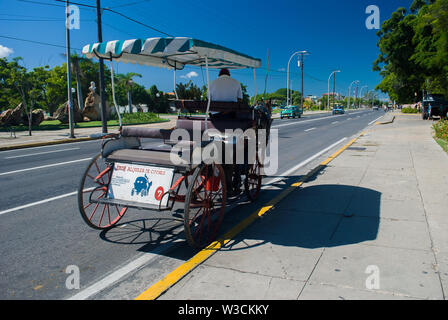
x,y
75,59
126,81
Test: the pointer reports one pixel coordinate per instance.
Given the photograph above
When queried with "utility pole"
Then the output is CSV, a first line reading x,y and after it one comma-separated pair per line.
x,y
328,91
69,74
102,84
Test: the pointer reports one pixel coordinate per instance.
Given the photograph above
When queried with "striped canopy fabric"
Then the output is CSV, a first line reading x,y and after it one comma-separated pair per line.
x,y
170,53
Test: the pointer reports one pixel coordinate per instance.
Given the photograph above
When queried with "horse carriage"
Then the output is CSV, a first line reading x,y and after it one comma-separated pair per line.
x,y
215,149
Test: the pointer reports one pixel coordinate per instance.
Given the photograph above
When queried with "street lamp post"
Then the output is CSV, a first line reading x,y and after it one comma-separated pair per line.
x,y
349,93
287,76
69,75
360,95
328,104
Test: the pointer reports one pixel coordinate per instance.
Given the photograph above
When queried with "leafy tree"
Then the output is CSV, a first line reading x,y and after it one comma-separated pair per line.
x,y
9,95
414,51
188,91
157,100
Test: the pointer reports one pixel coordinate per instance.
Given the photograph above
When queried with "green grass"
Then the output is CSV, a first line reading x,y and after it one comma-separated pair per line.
x,y
441,133
443,144
135,118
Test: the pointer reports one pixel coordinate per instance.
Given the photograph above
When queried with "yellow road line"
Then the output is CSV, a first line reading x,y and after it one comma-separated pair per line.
x,y
177,274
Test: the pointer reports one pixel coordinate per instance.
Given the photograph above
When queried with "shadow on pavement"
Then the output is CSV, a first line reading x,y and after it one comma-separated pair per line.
x,y
317,216
310,217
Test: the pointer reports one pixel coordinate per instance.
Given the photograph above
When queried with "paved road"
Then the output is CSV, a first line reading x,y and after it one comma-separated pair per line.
x,y
42,232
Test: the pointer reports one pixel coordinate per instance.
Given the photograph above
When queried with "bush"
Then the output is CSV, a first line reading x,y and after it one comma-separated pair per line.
x,y
139,117
441,129
409,110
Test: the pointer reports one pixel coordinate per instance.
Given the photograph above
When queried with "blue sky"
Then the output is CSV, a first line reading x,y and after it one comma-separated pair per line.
x,y
333,31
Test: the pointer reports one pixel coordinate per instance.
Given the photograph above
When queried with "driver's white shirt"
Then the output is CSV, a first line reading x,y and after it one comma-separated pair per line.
x,y
226,89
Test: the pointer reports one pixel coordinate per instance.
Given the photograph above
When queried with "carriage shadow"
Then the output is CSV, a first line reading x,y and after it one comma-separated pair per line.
x,y
310,217
314,217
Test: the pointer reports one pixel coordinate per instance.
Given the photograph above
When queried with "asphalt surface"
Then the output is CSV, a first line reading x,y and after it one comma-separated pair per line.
x,y
42,232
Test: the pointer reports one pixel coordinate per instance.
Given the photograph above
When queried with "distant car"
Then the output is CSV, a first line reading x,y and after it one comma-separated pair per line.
x,y
338,110
291,112
375,108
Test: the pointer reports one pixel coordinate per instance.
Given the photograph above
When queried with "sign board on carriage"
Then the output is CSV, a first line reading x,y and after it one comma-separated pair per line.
x,y
143,184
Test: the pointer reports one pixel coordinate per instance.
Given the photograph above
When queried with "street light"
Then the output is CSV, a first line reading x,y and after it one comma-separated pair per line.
x,y
360,95
328,104
349,92
287,76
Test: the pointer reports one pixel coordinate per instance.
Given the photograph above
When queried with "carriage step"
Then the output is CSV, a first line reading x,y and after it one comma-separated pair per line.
x,y
130,204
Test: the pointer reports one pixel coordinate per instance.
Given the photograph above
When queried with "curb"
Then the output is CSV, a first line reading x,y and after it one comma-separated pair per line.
x,y
47,143
157,289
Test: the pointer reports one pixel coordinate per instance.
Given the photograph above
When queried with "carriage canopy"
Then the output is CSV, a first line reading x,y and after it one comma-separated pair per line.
x,y
171,53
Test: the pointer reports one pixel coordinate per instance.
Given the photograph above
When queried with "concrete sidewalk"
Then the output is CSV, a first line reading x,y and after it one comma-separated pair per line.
x,y
371,225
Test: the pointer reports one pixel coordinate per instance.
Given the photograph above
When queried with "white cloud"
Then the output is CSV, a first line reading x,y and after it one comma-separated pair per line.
x,y
190,75
5,51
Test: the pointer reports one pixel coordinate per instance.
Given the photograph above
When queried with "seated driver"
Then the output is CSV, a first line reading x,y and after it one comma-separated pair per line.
x,y
225,88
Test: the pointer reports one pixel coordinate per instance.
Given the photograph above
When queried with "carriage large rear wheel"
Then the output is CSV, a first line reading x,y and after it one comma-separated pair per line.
x,y
205,204
93,187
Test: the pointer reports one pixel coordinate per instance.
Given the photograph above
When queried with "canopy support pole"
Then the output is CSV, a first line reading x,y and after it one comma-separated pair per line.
x,y
113,91
175,92
255,82
208,94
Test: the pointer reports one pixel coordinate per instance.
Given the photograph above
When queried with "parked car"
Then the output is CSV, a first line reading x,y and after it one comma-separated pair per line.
x,y
434,105
291,112
338,110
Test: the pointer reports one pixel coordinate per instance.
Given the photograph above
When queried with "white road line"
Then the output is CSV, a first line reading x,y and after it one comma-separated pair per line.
x,y
335,122
301,164
38,202
51,146
45,166
42,201
38,153
310,129
304,121
115,276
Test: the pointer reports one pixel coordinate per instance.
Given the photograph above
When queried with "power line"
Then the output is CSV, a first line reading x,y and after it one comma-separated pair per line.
x,y
37,42
130,4
122,15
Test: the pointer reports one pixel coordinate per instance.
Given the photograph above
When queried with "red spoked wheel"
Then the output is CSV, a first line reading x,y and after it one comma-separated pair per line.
x,y
252,183
205,204
93,187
